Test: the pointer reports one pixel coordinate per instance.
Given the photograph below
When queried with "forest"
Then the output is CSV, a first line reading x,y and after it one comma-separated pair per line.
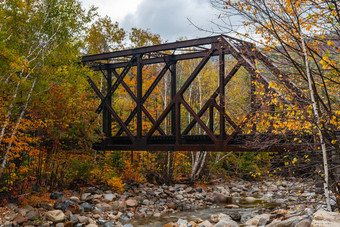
x,y
48,122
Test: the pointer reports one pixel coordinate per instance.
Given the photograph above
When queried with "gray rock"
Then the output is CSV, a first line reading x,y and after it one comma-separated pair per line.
x,y
46,206
87,207
83,219
132,203
206,223
73,218
59,225
109,197
56,195
127,225
250,199
182,221
221,198
323,218
86,197
258,219
55,216
199,189
108,224
118,205
75,199
32,215
226,223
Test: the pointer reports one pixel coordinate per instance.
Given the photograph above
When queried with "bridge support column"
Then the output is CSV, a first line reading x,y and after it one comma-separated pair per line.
x,y
107,120
172,94
222,93
139,97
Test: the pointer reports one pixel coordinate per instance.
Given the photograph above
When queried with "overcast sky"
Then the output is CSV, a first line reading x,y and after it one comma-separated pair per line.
x,y
169,18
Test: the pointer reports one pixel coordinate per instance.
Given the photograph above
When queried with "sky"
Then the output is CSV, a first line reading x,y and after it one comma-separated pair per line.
x,y
171,19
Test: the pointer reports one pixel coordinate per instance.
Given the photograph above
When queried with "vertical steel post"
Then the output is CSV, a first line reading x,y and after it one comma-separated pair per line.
x,y
253,97
107,120
172,94
222,92
139,96
178,122
211,118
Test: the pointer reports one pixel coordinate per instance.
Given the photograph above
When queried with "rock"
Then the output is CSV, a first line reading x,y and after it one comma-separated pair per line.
x,y
32,215
127,225
19,220
86,197
292,221
206,223
56,195
170,224
68,224
192,224
75,199
118,205
249,199
59,225
199,189
104,206
323,218
258,220
304,223
226,223
109,196
108,224
218,217
73,218
232,206
132,203
75,208
188,190
83,219
55,216
91,225
235,216
157,215
182,221
46,206
87,207
221,198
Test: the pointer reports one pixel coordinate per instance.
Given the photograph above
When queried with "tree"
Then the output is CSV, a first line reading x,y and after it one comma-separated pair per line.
x,y
304,34
36,36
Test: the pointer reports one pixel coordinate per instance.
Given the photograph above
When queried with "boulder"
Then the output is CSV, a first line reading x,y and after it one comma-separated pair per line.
x,y
221,198
323,218
132,203
56,195
249,199
55,216
219,217
206,223
258,220
226,223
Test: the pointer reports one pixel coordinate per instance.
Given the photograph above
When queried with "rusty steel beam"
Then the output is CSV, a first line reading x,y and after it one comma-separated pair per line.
x,y
245,55
150,49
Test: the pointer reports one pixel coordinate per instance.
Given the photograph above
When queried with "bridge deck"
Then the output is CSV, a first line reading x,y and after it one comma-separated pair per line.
x,y
240,143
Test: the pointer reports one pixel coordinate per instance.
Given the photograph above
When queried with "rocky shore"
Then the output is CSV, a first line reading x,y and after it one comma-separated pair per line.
x,y
274,203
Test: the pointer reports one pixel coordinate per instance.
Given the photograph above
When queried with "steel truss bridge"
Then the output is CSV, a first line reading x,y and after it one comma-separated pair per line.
x,y
182,138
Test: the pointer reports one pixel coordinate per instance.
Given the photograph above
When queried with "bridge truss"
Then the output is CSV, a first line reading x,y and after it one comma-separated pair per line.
x,y
131,133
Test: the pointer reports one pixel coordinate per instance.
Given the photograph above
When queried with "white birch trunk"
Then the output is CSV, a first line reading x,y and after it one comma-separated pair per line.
x,y
317,118
9,146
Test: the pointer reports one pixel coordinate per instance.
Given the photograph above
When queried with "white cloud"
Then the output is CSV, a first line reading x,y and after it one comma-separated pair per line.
x,y
169,18
116,9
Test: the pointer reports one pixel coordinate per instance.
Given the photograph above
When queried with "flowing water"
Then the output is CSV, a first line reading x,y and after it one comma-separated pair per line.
x,y
246,211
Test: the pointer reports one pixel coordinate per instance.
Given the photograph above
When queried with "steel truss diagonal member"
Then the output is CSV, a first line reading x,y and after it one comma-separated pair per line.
x,y
109,107
116,84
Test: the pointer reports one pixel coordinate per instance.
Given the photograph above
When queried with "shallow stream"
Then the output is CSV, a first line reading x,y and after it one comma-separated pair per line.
x,y
245,210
